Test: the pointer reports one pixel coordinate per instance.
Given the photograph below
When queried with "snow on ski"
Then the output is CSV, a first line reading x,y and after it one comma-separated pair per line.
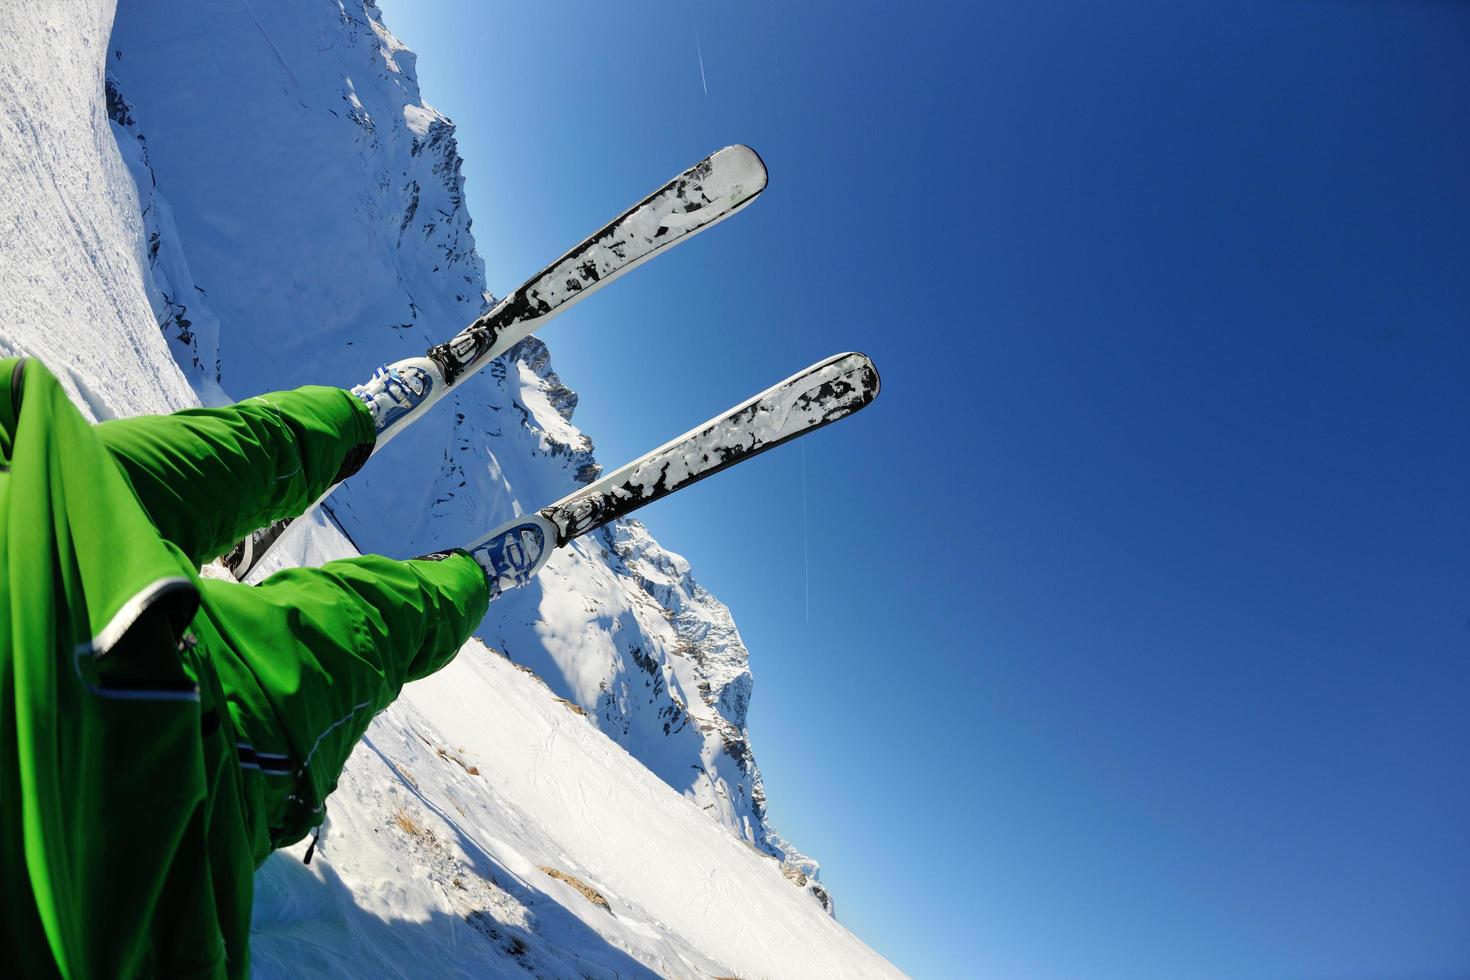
x,y
823,393
399,394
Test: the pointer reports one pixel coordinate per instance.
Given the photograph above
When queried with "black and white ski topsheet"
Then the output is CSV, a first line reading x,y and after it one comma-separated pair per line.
x,y
825,392
702,196
699,198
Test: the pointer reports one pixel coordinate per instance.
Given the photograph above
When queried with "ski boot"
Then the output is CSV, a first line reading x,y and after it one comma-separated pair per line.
x,y
398,393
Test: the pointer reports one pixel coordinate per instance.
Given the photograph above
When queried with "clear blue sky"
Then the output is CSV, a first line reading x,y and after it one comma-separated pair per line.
x,y
1128,634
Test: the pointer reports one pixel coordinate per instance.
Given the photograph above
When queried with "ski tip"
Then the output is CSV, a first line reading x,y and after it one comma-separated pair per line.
x,y
872,382
859,371
859,365
754,173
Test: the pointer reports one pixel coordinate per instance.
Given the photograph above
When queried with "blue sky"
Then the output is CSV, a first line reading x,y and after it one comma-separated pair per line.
x,y
1128,633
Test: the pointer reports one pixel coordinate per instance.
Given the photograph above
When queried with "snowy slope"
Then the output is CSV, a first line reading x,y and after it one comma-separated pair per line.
x,y
433,859
71,235
465,793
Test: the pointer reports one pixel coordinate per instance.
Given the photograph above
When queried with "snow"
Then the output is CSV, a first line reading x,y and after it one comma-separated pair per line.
x,y
71,234
271,204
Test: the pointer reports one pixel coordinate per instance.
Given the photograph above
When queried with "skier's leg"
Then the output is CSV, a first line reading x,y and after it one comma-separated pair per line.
x,y
309,656
209,476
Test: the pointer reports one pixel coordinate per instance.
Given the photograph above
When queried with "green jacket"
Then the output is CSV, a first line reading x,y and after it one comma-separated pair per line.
x,y
160,734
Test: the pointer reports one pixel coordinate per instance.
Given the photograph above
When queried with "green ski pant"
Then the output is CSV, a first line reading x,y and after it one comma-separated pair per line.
x,y
307,658
161,733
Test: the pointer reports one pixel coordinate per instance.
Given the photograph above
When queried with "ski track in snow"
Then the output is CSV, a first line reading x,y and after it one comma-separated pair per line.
x,y
146,287
71,235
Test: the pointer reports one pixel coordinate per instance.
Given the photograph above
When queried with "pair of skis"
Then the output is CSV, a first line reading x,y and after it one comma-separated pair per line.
x,y
699,198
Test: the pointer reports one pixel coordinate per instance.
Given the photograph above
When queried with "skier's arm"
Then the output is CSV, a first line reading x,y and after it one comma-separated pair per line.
x,y
209,476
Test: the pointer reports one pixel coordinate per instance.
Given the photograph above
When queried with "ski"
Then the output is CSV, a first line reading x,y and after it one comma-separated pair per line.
x,y
825,392
712,190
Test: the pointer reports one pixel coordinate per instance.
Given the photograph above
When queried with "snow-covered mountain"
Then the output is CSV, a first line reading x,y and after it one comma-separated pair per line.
x,y
307,222
212,198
